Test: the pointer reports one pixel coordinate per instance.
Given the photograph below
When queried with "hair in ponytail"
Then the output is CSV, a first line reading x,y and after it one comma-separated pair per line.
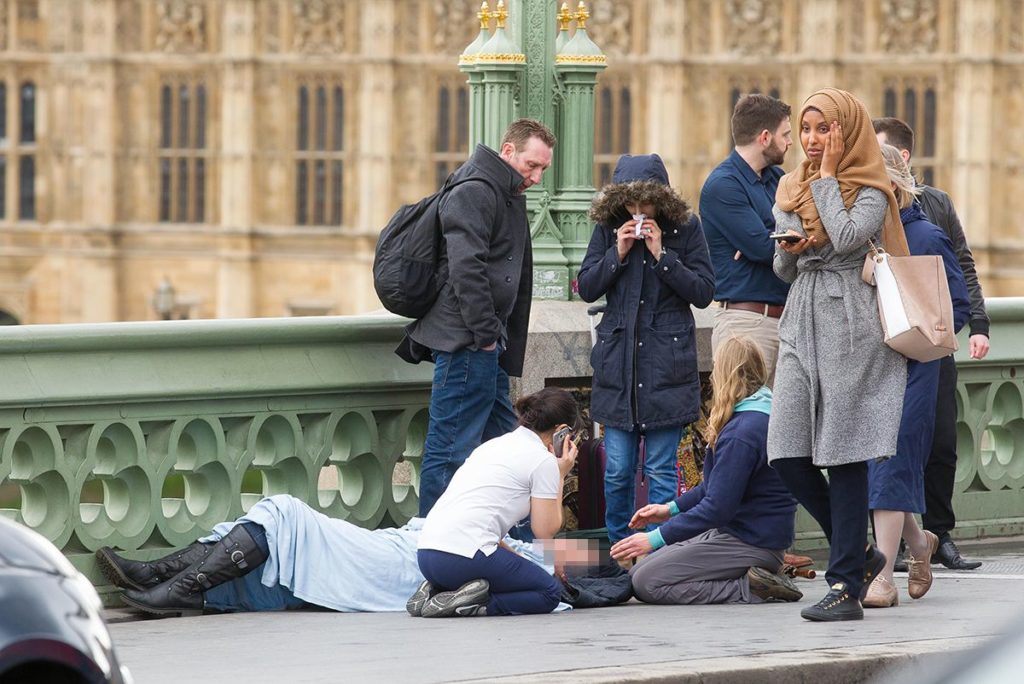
x,y
548,408
738,371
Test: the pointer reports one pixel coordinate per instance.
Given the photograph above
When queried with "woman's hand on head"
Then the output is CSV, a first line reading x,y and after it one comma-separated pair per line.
x,y
631,547
833,152
625,236
649,514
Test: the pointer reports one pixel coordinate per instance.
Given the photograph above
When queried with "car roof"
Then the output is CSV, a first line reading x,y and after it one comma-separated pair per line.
x,y
22,547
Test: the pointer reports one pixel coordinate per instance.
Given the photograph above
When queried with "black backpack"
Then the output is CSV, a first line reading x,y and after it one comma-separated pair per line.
x,y
405,262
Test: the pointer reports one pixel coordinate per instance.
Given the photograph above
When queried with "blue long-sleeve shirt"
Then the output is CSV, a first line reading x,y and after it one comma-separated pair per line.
x,y
740,493
736,213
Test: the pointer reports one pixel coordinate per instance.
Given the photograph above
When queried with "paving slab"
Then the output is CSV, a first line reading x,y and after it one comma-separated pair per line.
x,y
633,642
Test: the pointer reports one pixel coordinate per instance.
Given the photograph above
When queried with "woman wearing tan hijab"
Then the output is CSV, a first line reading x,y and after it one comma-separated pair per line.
x,y
838,388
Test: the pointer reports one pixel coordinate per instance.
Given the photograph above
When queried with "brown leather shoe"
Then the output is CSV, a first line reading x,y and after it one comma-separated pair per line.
x,y
881,594
920,569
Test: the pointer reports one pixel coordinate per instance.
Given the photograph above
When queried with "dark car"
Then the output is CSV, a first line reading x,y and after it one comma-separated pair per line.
x,y
51,627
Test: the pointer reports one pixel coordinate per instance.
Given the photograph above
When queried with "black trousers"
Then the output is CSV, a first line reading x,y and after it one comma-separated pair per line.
x,y
940,472
839,504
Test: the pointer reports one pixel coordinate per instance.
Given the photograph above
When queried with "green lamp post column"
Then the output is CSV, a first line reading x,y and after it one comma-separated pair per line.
x,y
467,64
577,65
535,70
500,65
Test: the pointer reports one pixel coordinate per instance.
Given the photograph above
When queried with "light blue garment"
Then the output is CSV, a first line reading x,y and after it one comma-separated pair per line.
x,y
327,562
760,401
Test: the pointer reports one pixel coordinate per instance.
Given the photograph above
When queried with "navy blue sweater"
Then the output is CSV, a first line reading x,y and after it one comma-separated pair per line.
x,y
740,494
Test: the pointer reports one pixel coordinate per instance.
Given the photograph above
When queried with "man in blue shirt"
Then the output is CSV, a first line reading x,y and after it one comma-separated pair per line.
x,y
736,211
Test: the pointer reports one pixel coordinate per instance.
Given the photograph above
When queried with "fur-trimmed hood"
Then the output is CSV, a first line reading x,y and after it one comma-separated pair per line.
x,y
640,179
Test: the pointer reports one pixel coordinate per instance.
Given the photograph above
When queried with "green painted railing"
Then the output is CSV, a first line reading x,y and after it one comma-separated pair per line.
x,y
989,499
143,435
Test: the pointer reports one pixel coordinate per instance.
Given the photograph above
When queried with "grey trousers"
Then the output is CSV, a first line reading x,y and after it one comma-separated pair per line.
x,y
709,568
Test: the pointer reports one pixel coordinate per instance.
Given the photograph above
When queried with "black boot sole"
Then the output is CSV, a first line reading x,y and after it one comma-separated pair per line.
x,y
162,612
113,573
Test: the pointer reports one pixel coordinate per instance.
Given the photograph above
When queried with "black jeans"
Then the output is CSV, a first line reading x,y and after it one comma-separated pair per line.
x,y
940,472
839,504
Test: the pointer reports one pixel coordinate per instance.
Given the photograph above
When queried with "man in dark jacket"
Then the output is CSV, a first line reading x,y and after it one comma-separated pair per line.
x,y
940,473
476,330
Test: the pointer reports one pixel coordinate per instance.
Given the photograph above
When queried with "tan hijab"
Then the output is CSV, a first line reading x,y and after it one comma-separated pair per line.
x,y
861,166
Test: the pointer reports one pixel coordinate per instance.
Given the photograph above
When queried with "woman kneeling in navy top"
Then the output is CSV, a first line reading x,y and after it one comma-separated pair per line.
x,y
723,541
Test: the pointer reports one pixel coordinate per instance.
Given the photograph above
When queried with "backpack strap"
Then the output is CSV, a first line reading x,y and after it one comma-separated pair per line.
x,y
450,185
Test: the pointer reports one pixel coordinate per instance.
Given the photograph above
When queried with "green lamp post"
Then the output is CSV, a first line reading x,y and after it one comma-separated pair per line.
x,y
533,68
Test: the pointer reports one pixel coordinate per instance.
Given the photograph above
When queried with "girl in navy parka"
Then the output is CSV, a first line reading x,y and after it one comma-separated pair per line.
x,y
651,269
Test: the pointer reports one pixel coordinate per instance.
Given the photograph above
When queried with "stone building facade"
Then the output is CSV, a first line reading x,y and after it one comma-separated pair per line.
x,y
249,151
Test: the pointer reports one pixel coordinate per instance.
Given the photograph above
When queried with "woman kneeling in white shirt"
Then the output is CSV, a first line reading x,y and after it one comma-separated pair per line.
x,y
467,570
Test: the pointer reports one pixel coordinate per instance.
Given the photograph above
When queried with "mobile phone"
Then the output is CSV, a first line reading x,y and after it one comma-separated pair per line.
x,y
558,440
786,237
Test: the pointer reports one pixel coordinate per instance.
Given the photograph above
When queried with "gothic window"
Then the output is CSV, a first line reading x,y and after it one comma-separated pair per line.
x,y
18,150
915,101
320,153
451,135
182,163
613,126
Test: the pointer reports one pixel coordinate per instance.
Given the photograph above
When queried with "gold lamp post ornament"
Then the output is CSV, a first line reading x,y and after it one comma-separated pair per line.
x,y
581,15
501,14
484,15
564,17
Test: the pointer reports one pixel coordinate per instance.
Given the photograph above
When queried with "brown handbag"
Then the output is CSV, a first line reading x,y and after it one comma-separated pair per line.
x,y
913,303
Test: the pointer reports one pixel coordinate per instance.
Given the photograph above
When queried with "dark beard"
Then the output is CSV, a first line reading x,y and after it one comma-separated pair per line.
x,y
774,155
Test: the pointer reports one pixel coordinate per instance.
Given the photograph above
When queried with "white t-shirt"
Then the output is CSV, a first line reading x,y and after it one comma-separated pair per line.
x,y
490,493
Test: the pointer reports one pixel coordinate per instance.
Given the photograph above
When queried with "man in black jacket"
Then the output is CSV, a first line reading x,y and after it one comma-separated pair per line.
x,y
476,330
940,473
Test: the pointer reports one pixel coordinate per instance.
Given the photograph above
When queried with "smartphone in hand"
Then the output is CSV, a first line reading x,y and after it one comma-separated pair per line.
x,y
788,238
558,439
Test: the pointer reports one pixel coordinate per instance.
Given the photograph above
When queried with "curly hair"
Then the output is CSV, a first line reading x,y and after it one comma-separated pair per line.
x,y
610,203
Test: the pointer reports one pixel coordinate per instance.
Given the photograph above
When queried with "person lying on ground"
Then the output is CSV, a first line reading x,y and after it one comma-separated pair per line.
x,y
283,555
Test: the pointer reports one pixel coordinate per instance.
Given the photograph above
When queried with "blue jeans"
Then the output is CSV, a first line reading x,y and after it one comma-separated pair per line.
x,y
247,593
518,587
469,405
661,467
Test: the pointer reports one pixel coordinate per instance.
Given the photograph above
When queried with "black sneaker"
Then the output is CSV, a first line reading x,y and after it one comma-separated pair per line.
x,y
414,606
837,605
900,564
769,586
874,561
468,600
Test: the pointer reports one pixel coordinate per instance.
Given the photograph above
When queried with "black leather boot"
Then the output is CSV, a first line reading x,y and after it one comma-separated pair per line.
x,y
235,555
142,575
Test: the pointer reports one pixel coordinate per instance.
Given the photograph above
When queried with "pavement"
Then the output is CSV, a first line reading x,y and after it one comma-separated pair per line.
x,y
727,644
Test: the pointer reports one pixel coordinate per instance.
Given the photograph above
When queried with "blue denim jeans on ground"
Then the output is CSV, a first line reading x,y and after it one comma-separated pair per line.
x,y
247,593
661,466
518,586
469,404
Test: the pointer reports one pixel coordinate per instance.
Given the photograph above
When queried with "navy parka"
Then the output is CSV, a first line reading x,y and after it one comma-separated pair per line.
x,y
645,359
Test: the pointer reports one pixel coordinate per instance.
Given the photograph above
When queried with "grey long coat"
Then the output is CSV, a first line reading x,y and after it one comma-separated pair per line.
x,y
838,388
